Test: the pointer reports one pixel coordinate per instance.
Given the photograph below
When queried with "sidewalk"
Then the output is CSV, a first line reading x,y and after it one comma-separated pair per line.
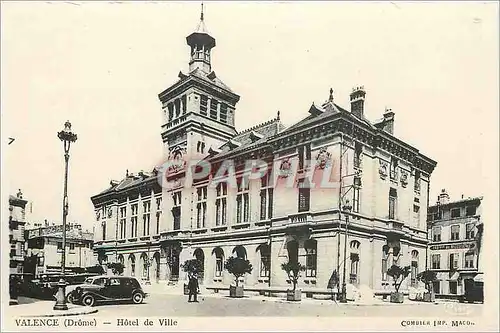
x,y
45,309
161,289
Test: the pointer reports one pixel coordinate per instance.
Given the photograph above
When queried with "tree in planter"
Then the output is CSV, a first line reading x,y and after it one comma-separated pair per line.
x,y
398,275
192,267
293,269
428,277
237,267
116,267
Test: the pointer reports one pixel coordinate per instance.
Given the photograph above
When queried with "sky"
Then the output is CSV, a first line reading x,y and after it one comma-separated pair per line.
x,y
102,65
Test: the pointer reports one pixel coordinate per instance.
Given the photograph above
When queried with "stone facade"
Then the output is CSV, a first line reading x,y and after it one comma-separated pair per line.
x,y
455,233
271,220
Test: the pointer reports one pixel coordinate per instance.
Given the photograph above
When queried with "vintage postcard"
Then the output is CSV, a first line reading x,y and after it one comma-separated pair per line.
x,y
249,166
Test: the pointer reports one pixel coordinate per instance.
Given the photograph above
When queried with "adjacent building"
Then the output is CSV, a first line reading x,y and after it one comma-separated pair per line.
x,y
17,222
455,234
154,221
44,249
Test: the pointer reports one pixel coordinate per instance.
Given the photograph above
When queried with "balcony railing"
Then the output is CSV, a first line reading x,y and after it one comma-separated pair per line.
x,y
176,121
300,218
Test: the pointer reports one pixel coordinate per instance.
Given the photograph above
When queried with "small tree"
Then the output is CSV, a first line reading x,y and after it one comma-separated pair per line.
x,y
427,277
398,275
116,267
192,266
293,270
238,267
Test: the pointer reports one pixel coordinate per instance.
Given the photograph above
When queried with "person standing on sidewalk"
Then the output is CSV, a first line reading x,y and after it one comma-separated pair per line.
x,y
193,287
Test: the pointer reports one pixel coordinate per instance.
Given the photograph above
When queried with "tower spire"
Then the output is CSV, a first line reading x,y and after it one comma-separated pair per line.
x,y
201,44
201,26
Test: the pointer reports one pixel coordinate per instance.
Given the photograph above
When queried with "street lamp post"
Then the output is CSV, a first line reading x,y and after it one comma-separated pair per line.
x,y
346,208
67,137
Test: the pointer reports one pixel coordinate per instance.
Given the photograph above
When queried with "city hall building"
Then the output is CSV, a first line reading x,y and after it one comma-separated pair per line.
x,y
153,228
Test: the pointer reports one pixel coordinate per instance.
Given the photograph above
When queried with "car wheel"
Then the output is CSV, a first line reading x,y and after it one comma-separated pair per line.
x,y
70,298
137,298
88,300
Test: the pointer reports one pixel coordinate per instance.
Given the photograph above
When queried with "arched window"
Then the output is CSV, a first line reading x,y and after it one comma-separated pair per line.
x,y
385,257
219,261
354,258
131,259
121,260
265,259
311,246
200,256
144,259
414,267
355,245
293,251
240,252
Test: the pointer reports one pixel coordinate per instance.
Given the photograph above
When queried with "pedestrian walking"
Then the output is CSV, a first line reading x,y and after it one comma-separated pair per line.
x,y
193,288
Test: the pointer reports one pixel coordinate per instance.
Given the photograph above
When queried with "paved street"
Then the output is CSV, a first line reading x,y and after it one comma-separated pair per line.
x,y
176,305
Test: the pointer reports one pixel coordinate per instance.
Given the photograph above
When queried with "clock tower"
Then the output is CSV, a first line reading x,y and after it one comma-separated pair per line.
x,y
199,109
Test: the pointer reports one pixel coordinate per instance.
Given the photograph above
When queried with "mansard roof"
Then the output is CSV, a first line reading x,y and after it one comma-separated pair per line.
x,y
130,181
264,130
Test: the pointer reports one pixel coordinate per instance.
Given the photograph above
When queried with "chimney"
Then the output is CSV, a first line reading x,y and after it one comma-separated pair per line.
x,y
444,198
358,101
388,121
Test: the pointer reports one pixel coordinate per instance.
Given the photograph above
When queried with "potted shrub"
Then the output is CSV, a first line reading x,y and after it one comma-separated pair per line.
x,y
293,270
237,267
428,277
116,267
398,275
191,267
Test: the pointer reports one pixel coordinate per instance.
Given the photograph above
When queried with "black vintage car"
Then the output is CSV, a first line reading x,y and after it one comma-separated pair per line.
x,y
106,289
